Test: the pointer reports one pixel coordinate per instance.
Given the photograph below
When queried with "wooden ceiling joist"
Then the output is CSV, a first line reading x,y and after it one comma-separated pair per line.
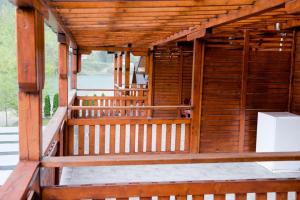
x,y
259,7
145,23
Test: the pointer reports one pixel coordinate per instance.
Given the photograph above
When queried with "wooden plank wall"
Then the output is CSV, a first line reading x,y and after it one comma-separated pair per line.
x,y
267,86
172,80
221,100
295,98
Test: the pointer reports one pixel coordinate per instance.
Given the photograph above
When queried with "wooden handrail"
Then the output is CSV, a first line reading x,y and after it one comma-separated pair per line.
x,y
120,121
116,90
129,107
53,128
112,97
72,97
167,189
19,182
167,158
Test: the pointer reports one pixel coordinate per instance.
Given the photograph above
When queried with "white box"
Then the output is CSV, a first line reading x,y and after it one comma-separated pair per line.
x,y
278,132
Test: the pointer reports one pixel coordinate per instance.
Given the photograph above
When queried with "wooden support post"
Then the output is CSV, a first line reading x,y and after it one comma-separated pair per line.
x,y
180,75
115,71
150,82
291,85
244,91
197,85
63,73
74,69
120,62
127,69
31,75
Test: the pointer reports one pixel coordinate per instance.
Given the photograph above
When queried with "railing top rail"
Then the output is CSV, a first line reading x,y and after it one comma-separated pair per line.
x,y
167,158
113,97
129,107
19,182
116,90
107,121
53,128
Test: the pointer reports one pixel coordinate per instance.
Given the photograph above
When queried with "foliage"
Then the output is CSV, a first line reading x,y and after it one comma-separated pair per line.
x,y
55,103
8,65
47,106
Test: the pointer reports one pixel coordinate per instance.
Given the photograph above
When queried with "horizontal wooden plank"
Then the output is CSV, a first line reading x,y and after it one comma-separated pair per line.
x,y
19,182
132,120
168,158
166,189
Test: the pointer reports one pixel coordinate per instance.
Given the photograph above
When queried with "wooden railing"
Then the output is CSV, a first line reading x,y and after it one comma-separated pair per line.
x,y
109,101
128,136
178,190
137,92
23,183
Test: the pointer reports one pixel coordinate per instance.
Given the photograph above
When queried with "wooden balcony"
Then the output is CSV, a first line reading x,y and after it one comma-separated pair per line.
x,y
71,142
239,58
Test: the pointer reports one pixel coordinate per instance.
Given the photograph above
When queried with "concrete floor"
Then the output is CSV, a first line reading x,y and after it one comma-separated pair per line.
x,y
179,172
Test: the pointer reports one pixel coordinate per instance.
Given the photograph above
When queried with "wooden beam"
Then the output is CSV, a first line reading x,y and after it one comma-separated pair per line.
x,y
74,69
114,49
244,83
50,17
120,66
127,69
196,98
261,6
31,74
63,74
166,158
150,81
293,7
115,71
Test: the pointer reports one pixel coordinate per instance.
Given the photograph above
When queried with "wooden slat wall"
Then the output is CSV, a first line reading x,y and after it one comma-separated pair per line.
x,y
221,100
187,73
171,84
268,88
295,103
166,79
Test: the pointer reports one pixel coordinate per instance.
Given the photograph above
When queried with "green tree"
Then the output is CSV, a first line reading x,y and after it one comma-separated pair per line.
x,y
47,106
55,104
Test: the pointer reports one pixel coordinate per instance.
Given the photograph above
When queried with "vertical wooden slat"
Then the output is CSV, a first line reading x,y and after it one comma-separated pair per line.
x,y
187,137
281,196
91,140
261,196
158,137
71,140
198,197
149,138
241,196
122,138
219,196
196,101
102,140
297,195
112,139
181,197
132,138
244,91
163,198
178,137
168,137
140,138
81,140
96,110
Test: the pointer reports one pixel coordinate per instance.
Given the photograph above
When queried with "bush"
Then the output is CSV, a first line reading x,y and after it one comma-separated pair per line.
x,y
55,103
47,106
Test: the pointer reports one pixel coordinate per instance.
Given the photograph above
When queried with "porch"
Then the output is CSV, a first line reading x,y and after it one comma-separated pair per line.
x,y
189,131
